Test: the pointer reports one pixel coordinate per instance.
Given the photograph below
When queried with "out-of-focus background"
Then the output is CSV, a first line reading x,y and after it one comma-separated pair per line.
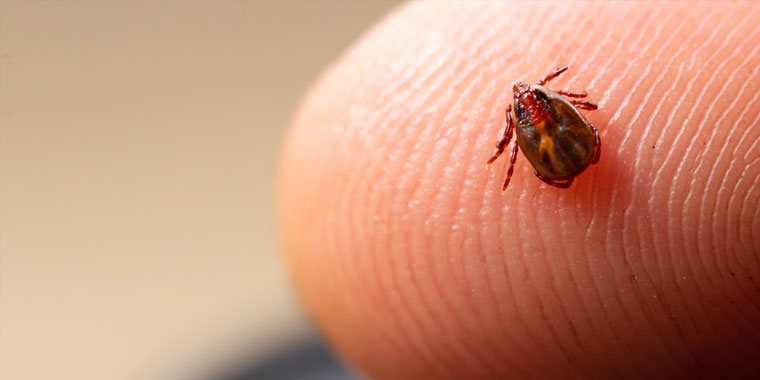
x,y
138,147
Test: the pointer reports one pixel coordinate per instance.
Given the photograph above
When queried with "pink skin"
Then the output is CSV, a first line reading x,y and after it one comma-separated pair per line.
x,y
414,263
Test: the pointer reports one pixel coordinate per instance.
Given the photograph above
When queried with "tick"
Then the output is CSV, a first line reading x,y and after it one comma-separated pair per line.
x,y
557,140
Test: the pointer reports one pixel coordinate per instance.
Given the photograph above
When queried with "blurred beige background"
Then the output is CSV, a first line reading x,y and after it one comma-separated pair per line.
x,y
137,157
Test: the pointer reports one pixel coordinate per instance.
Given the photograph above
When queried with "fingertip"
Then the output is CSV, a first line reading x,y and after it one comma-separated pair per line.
x,y
416,265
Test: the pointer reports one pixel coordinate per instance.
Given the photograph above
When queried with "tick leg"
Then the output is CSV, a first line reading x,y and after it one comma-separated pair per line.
x,y
502,144
511,166
561,184
552,75
597,144
584,105
570,94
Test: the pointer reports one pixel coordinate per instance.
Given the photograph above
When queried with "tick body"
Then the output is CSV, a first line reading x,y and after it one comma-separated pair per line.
x,y
557,140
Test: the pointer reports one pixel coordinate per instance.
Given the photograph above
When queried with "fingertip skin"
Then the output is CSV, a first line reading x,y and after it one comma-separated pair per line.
x,y
415,264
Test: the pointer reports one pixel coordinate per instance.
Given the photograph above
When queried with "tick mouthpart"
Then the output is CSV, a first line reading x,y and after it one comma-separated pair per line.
x,y
519,89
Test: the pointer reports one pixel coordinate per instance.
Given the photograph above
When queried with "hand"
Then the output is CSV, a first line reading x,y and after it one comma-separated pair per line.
x,y
416,265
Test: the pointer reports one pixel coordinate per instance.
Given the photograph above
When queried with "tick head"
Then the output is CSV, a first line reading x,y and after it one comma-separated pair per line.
x,y
519,89
530,103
